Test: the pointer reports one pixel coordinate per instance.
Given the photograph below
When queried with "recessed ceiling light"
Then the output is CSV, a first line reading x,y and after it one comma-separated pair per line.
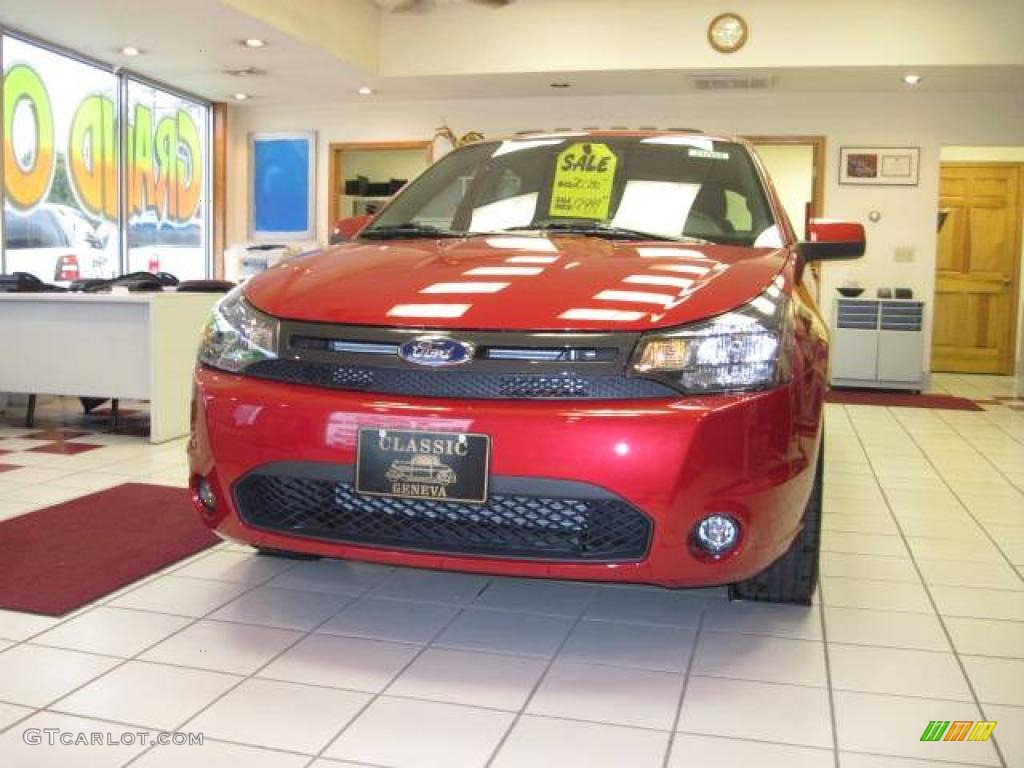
x,y
366,91
254,42
246,72
560,85
911,79
130,50
242,97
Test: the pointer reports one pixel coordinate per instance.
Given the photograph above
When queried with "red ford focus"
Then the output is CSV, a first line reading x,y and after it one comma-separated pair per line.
x,y
582,356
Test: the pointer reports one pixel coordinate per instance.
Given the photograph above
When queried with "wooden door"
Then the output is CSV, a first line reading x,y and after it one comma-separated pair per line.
x,y
977,265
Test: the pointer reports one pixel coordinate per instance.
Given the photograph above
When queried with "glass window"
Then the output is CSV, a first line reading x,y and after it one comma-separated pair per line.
x,y
60,145
437,203
664,186
167,189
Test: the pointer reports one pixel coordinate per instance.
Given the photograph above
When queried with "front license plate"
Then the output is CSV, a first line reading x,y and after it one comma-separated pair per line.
x,y
445,466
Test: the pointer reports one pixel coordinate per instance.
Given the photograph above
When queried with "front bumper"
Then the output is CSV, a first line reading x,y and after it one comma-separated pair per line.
x,y
675,460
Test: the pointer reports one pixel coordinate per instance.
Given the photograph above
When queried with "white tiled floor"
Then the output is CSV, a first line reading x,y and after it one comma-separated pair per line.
x,y
324,664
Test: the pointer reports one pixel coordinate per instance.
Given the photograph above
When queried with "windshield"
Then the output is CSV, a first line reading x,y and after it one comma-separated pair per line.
x,y
670,187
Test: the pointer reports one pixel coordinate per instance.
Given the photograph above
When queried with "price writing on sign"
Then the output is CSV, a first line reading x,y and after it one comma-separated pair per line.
x,y
584,177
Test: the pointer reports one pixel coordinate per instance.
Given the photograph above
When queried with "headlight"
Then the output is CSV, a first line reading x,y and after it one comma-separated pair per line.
x,y
745,349
237,335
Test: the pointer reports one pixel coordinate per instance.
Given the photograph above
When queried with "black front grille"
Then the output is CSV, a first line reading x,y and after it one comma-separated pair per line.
x,y
314,374
544,386
513,525
458,384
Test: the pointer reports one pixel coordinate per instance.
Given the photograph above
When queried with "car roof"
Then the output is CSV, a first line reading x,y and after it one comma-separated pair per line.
x,y
40,211
620,133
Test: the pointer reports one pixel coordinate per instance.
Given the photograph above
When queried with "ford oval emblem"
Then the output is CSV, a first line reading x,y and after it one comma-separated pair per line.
x,y
436,351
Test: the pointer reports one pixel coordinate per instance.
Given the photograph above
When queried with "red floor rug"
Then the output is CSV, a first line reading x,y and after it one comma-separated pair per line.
x,y
899,399
60,558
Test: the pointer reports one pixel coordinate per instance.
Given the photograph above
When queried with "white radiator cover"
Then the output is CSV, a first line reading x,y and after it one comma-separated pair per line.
x,y
877,343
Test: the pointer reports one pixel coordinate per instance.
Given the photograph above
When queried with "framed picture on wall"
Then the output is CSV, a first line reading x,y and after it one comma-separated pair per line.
x,y
890,166
282,185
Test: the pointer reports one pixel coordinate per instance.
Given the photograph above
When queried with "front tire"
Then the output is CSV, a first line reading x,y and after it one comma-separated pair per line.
x,y
794,576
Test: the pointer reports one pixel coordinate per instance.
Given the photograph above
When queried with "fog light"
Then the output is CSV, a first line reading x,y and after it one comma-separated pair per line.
x,y
718,534
205,493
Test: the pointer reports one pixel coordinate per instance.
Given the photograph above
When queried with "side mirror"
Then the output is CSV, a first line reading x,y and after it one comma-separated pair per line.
x,y
828,240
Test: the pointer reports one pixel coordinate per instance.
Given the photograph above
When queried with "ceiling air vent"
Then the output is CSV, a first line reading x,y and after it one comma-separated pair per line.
x,y
731,82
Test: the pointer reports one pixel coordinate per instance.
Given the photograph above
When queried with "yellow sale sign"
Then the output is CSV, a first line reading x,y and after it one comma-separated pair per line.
x,y
583,182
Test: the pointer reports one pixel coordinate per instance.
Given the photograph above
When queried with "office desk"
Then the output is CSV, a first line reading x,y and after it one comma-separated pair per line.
x,y
139,346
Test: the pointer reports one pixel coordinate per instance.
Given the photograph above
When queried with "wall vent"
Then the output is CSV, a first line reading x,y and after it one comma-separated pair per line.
x,y
732,82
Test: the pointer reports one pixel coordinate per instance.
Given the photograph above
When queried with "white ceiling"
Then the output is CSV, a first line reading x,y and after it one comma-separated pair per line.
x,y
190,44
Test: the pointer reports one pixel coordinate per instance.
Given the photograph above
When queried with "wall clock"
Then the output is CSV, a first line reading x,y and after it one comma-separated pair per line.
x,y
727,32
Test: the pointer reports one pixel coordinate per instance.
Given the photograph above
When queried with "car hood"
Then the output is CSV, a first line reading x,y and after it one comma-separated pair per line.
x,y
505,282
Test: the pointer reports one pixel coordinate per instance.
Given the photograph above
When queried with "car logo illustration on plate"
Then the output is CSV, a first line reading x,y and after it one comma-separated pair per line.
x,y
423,468
436,351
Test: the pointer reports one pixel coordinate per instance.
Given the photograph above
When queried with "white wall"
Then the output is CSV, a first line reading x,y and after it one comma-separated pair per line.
x,y
573,35
894,119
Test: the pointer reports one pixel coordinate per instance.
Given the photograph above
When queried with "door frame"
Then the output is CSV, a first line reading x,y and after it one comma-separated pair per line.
x,y
219,185
818,146
335,170
1010,368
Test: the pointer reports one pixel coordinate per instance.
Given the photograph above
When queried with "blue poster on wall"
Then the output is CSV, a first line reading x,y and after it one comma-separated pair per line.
x,y
282,186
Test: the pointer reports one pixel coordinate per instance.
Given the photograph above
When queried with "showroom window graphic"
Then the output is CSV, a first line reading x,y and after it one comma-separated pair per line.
x,y
61,152
166,183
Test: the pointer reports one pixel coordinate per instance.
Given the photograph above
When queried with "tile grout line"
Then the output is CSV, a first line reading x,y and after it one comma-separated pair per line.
x,y
821,604
928,592
353,599
956,586
280,750
749,740
135,657
956,493
244,678
824,638
322,686
960,501
123,724
996,422
27,641
540,681
964,507
375,696
686,682
993,424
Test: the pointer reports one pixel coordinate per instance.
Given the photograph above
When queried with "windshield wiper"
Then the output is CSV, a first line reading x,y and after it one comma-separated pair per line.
x,y
602,230
409,229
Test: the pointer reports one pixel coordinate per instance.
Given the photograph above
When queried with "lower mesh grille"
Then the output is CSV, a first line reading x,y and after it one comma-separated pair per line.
x,y
543,386
588,529
459,384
